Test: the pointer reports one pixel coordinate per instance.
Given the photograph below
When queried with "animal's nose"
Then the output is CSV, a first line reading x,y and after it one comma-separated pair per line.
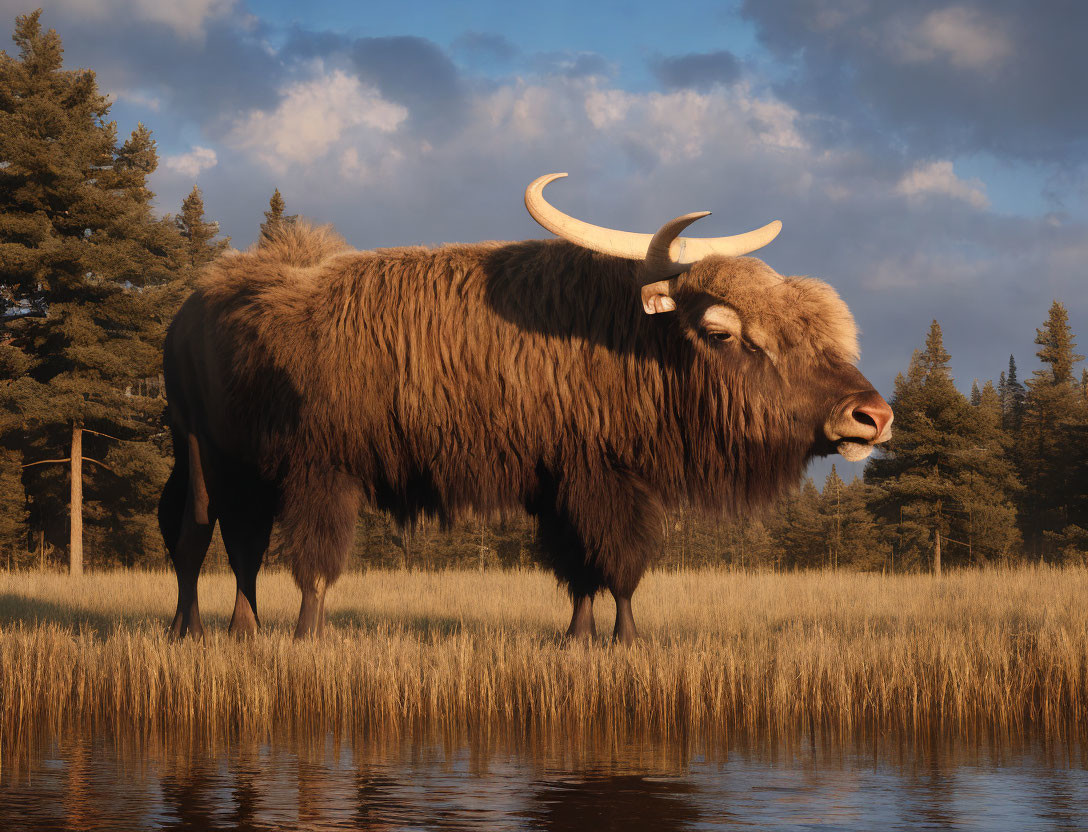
x,y
864,416
874,412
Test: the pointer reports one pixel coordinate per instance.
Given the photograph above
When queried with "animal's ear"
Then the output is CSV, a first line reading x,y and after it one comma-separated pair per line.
x,y
657,297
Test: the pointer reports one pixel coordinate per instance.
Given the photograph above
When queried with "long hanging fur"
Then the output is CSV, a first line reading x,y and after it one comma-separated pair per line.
x,y
499,375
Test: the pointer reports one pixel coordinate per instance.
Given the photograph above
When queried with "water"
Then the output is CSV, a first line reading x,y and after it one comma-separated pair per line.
x,y
101,782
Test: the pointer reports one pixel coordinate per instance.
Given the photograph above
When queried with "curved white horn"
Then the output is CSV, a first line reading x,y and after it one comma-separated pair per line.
x,y
670,254
660,261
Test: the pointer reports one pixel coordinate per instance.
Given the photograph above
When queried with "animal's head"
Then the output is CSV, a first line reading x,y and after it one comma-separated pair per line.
x,y
793,338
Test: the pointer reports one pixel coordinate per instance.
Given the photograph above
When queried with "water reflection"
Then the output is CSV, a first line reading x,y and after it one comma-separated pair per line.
x,y
619,802
102,782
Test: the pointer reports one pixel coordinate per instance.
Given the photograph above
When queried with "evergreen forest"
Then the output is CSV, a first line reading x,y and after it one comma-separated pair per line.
x,y
90,277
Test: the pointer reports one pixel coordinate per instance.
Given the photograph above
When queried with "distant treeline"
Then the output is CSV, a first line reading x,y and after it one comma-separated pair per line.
x,y
90,278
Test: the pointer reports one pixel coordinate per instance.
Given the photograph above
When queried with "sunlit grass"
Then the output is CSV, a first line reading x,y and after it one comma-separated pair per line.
x,y
725,651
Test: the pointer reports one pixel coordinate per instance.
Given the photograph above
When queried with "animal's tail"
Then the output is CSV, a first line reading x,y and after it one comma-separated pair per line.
x,y
174,495
196,482
185,490
299,244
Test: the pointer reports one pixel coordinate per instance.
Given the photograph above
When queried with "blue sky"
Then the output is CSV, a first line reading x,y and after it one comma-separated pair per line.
x,y
928,158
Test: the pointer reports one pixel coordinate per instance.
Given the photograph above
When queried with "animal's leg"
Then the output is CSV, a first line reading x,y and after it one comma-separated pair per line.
x,y
620,535
311,615
564,551
582,626
243,619
321,614
188,557
248,541
624,632
246,506
186,538
317,521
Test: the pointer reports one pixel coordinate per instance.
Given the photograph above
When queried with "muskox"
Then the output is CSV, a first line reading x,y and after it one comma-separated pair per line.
x,y
594,380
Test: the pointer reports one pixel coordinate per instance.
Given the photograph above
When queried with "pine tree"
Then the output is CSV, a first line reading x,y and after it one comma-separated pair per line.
x,y
746,542
13,512
1056,346
1012,394
935,358
201,247
989,406
831,508
976,394
275,215
85,262
944,460
799,529
852,536
1012,397
1051,450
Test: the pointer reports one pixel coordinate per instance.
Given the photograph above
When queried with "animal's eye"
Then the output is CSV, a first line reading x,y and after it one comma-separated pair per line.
x,y
721,337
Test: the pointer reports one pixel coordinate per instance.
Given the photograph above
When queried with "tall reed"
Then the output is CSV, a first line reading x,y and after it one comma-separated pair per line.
x,y
972,652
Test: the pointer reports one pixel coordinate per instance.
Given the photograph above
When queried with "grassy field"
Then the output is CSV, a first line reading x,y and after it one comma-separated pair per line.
x,y
970,653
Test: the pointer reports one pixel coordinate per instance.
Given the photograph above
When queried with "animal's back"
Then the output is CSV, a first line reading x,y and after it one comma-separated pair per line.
x,y
477,365
442,378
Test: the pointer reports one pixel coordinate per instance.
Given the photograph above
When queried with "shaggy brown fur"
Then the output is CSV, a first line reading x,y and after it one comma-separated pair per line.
x,y
486,377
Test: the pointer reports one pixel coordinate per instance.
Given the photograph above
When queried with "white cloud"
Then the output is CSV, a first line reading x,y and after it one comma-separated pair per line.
x,y
666,127
939,179
186,17
966,38
192,163
686,124
137,98
607,107
335,126
925,269
835,15
314,117
354,168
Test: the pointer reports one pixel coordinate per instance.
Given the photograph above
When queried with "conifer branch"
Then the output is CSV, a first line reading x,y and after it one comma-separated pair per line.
x,y
99,433
69,459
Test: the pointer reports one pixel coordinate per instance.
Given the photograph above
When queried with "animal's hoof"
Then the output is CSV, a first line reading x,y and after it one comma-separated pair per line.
x,y
586,637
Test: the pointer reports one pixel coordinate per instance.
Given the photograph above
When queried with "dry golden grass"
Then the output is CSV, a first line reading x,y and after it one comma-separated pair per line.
x,y
972,652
